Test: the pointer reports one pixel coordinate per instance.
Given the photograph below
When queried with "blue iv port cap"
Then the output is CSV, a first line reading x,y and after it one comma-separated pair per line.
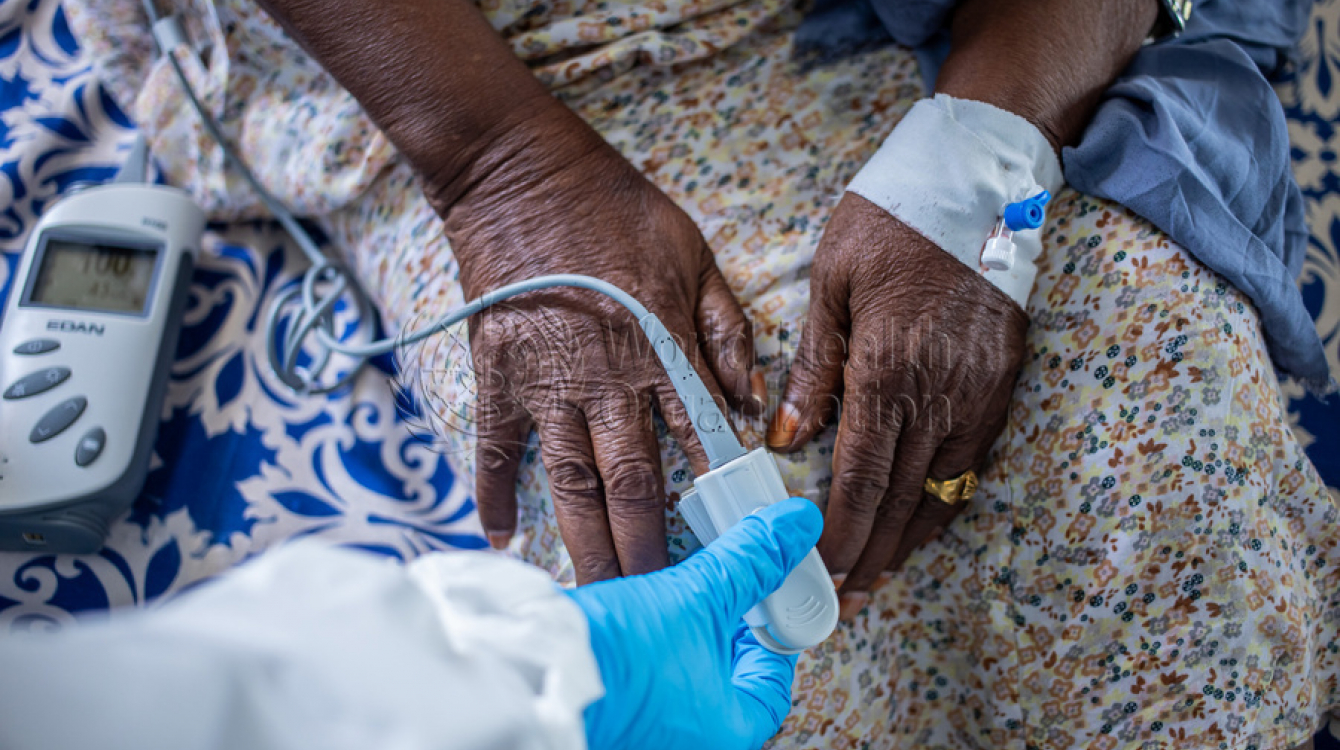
x,y
1028,213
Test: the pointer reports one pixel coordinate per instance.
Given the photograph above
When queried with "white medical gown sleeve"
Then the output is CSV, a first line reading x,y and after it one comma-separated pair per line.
x,y
316,647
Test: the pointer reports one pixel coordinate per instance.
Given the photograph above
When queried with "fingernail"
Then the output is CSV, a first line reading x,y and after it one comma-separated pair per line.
x,y
759,386
838,579
783,428
850,605
499,539
882,581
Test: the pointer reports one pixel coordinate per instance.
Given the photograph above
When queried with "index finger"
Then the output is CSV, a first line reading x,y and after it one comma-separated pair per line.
x,y
753,558
905,495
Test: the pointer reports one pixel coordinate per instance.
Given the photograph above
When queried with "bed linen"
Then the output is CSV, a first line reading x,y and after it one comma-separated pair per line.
x,y
241,465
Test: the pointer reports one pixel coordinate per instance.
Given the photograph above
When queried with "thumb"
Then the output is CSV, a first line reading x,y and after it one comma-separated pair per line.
x,y
753,557
811,389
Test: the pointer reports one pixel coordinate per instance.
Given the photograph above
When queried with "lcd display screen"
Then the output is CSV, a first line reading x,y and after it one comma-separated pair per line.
x,y
94,276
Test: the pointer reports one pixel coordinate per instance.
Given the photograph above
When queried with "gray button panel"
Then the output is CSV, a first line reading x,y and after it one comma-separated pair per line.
x,y
37,346
37,382
90,446
60,417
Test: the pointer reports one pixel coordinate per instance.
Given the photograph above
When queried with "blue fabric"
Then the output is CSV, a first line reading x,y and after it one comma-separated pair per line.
x,y
1191,137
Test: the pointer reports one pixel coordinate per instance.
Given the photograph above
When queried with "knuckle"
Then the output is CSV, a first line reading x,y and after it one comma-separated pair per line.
x,y
632,483
494,458
572,476
496,413
674,413
820,351
619,408
730,349
861,466
864,454
539,345
861,490
936,418
873,413
894,511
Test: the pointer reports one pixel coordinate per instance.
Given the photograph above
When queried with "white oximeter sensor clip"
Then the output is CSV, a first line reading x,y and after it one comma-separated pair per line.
x,y
804,611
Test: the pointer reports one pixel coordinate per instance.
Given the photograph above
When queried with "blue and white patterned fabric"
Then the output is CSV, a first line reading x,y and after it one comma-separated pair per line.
x,y
1312,104
240,463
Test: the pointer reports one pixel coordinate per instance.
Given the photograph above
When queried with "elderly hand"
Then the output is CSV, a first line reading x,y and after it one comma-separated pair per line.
x,y
924,353
548,195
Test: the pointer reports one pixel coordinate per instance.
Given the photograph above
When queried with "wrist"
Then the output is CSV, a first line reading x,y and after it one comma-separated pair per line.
x,y
506,207
506,147
434,75
1047,61
1032,100
947,171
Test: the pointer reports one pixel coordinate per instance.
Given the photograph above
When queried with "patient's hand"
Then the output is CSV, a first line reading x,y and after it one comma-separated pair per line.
x,y
924,352
548,195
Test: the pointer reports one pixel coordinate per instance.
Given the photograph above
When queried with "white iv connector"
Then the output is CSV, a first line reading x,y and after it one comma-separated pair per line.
x,y
804,611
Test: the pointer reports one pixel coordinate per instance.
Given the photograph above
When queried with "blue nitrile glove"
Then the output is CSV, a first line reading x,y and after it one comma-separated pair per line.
x,y
680,668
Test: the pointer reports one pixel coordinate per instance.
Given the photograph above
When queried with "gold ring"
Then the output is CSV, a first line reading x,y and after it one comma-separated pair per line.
x,y
953,491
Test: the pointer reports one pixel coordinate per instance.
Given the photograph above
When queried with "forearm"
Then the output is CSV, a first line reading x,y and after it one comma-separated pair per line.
x,y
434,76
1045,60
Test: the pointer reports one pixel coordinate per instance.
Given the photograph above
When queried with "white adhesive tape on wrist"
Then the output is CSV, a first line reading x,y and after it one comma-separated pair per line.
x,y
948,169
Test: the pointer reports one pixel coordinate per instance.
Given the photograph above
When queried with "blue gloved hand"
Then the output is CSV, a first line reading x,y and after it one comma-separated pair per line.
x,y
680,668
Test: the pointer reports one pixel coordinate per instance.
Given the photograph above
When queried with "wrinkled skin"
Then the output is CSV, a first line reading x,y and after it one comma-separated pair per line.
x,y
924,353
525,188
575,365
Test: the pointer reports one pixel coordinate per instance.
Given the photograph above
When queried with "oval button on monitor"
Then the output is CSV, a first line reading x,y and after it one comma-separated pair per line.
x,y
60,417
90,446
37,346
37,382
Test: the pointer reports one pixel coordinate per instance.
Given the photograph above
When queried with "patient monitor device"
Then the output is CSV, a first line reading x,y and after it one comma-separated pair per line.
x,y
86,342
